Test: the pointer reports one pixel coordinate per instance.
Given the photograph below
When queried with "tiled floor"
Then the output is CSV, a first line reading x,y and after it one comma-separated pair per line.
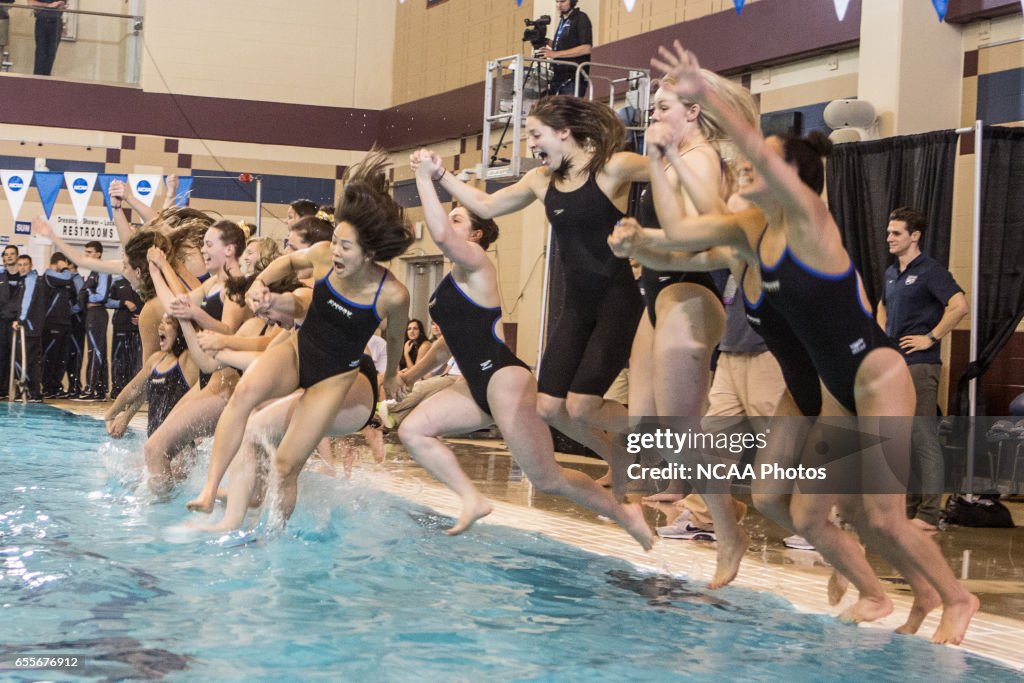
x,y
990,561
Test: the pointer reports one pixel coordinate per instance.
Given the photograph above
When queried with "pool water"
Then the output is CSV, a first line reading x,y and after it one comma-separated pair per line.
x,y
366,584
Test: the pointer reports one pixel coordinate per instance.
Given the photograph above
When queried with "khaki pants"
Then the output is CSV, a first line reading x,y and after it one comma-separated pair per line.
x,y
745,384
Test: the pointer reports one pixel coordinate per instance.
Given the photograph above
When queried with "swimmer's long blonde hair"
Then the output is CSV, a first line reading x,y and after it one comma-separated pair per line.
x,y
737,98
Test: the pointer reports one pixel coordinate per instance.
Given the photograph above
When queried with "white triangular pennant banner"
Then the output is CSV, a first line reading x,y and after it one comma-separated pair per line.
x,y
16,186
144,186
630,4
843,5
80,187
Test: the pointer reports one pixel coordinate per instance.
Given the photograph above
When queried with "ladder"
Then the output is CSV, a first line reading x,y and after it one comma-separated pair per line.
x,y
514,83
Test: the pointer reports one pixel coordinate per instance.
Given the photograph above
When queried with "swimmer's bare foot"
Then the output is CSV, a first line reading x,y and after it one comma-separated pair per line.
x,y
663,497
837,587
632,520
925,600
203,503
477,508
924,526
867,609
605,480
222,494
730,554
955,618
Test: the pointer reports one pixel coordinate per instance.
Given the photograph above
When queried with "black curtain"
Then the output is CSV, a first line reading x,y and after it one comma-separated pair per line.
x,y
1001,262
867,180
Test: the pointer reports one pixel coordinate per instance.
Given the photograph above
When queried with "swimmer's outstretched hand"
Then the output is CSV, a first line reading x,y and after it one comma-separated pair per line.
x,y
156,256
426,163
182,308
117,426
211,342
626,238
682,72
41,226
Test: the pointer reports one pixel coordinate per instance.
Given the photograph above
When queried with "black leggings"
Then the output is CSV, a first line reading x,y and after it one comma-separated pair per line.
x,y
590,340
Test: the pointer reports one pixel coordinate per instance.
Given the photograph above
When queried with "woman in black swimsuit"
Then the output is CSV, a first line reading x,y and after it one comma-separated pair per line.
x,y
499,388
806,275
353,293
164,379
584,184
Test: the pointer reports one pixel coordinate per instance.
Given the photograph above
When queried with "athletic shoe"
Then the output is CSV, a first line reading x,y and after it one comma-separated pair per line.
x,y
797,543
686,532
386,420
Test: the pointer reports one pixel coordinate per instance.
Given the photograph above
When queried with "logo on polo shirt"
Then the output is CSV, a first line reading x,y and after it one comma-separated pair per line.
x,y
911,279
144,189
80,186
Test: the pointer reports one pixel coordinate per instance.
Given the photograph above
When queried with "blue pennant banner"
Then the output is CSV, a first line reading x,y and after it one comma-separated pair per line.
x,y
105,180
184,190
48,183
941,6
739,5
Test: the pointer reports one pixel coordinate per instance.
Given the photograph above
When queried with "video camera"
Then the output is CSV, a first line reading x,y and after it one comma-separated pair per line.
x,y
537,31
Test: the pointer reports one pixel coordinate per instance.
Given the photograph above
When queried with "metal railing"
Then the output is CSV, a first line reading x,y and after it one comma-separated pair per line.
x,y
104,47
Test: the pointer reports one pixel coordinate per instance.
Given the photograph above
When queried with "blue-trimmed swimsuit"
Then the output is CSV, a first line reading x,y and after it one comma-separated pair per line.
x,y
469,331
828,316
334,333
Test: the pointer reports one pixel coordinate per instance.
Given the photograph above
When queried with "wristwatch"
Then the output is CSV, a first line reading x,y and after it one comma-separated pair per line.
x,y
933,338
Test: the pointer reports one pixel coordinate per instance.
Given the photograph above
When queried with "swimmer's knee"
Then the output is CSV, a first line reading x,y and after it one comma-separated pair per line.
x,y
584,408
550,408
410,430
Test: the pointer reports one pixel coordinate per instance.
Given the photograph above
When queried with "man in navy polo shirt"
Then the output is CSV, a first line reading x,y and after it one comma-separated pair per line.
x,y
921,305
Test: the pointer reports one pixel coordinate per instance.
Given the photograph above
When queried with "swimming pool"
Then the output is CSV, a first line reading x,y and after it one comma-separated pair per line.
x,y
364,584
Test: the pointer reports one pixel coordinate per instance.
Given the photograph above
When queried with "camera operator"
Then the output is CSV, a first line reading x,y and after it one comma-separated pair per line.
x,y
573,42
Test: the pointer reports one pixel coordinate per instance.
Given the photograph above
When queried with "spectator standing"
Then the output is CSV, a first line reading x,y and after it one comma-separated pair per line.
x,y
49,26
922,304
10,279
126,352
94,298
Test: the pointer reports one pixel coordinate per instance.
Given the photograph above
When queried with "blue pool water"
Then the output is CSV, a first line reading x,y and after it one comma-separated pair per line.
x,y
365,584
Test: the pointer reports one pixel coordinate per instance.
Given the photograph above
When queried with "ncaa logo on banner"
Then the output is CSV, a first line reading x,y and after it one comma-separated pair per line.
x,y
144,188
80,186
16,183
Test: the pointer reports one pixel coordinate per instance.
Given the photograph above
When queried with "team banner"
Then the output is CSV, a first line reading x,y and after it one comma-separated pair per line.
x,y
80,185
739,5
843,5
630,4
144,186
940,7
49,183
105,180
16,186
